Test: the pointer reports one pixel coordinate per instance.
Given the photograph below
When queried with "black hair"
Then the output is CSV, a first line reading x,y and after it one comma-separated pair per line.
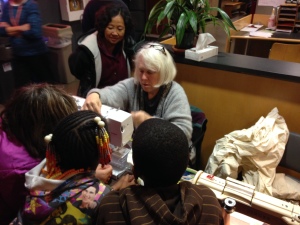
x,y
160,152
96,186
74,141
105,14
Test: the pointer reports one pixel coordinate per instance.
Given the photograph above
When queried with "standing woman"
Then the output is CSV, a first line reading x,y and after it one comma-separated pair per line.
x,y
21,21
99,59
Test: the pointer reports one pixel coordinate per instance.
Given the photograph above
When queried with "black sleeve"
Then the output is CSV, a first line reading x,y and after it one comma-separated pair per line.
x,y
80,61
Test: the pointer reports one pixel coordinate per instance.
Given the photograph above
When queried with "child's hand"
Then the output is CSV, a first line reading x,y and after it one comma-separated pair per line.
x,y
103,173
124,181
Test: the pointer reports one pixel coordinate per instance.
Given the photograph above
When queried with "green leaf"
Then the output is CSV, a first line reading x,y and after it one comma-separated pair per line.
x,y
187,15
165,31
161,5
181,27
193,21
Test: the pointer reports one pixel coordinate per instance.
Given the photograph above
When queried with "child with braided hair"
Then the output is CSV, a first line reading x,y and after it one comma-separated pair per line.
x,y
64,183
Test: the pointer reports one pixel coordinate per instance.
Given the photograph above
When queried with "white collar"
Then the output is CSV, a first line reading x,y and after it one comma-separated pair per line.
x,y
17,4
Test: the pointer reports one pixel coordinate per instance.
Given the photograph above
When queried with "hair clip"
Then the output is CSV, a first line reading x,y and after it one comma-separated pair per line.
x,y
99,121
48,138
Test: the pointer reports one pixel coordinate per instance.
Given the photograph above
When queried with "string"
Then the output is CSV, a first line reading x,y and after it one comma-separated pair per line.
x,y
15,20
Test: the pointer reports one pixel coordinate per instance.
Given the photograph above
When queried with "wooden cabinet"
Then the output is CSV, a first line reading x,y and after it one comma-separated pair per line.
x,y
297,22
288,18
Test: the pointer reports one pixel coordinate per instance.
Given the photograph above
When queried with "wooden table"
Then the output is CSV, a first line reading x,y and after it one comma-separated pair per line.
x,y
240,42
230,6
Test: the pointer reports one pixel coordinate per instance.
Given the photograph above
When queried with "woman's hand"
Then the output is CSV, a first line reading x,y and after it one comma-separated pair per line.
x,y
139,116
12,31
123,182
92,102
24,27
4,24
103,173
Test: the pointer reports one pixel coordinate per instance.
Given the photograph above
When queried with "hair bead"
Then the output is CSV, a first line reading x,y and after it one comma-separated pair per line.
x,y
97,119
48,138
79,143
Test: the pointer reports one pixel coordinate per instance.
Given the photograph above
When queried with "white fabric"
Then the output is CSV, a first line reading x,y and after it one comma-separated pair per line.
x,y
255,151
35,181
91,43
286,187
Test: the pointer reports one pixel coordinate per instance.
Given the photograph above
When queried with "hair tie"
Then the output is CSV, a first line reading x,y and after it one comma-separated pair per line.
x,y
102,139
48,138
100,123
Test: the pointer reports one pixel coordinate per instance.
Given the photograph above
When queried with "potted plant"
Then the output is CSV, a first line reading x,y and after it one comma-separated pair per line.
x,y
187,18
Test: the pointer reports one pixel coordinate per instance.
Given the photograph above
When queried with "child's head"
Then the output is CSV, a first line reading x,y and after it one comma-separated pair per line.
x,y
160,153
32,112
75,142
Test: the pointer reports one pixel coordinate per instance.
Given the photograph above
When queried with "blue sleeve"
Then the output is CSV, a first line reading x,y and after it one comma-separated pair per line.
x,y
4,18
34,19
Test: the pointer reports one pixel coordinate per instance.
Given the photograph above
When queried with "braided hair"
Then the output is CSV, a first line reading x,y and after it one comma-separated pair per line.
x,y
74,141
160,152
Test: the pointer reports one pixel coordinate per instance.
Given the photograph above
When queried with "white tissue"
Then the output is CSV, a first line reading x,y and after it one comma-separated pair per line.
x,y
203,49
204,40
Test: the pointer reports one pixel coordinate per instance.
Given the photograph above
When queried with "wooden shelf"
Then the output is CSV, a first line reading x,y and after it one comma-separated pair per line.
x,y
288,18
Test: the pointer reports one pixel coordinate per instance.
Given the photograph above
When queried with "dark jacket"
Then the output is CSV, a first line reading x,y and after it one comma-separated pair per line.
x,y
180,204
86,65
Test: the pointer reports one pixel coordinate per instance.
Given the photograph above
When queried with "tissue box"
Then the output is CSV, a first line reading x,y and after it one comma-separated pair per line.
x,y
202,54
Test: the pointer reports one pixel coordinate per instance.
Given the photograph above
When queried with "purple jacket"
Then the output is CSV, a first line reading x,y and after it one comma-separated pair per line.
x,y
14,163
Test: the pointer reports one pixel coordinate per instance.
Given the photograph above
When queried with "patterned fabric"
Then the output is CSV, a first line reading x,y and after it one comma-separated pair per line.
x,y
141,205
65,204
159,103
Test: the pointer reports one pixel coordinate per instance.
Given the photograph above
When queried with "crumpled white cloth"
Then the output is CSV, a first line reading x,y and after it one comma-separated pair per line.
x,y
255,151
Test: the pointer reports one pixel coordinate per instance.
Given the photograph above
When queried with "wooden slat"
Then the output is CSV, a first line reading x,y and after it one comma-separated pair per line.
x,y
285,52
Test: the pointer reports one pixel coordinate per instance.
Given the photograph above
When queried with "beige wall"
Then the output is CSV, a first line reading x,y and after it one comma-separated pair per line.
x,y
233,101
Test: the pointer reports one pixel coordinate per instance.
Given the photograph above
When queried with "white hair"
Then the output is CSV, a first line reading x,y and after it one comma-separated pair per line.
x,y
156,58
